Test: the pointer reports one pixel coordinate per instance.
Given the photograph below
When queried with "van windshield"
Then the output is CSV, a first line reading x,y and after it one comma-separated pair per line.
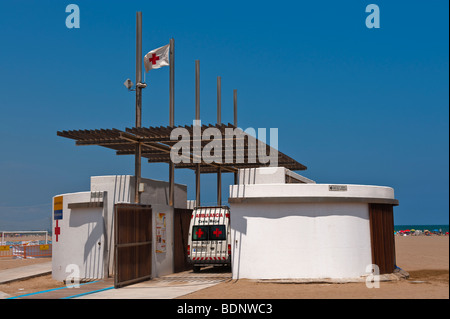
x,y
217,232
200,233
211,232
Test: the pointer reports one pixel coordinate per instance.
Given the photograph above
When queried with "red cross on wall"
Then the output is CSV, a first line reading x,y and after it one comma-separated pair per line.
x,y
217,232
57,230
154,58
199,233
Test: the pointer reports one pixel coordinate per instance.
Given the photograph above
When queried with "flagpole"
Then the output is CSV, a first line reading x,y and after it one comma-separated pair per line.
x,y
172,78
172,116
139,86
138,68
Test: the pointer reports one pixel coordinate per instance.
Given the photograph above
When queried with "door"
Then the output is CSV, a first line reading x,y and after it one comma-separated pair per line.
x,y
382,237
86,242
182,219
133,244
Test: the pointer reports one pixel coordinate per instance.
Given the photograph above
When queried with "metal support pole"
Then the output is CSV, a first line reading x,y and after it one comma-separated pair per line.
x,y
172,81
197,117
197,89
137,165
219,121
235,124
138,69
137,162
219,100
197,185
235,107
219,187
172,117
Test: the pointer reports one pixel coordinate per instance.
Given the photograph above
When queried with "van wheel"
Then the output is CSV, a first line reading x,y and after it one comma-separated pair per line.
x,y
196,268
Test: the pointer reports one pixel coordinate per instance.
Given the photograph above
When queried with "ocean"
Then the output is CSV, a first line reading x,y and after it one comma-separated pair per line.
x,y
444,228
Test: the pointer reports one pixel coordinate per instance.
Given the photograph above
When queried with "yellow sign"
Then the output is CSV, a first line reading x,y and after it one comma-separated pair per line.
x,y
58,203
4,248
43,247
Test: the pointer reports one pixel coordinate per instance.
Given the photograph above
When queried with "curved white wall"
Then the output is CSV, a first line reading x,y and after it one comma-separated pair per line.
x,y
79,250
322,192
301,230
300,240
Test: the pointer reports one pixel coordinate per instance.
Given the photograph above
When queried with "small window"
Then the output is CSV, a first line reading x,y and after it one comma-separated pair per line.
x,y
217,232
200,233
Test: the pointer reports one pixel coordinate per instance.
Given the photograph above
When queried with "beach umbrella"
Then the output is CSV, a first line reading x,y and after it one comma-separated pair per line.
x,y
436,230
413,230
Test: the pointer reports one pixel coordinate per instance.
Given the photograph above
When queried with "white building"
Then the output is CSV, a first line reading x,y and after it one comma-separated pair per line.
x,y
83,230
285,226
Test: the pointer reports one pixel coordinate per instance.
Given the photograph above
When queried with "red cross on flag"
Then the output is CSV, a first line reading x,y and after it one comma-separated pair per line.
x,y
157,58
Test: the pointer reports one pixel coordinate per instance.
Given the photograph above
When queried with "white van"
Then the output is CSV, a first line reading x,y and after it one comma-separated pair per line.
x,y
209,240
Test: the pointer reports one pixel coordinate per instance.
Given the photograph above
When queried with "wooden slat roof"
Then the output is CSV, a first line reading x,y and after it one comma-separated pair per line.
x,y
156,145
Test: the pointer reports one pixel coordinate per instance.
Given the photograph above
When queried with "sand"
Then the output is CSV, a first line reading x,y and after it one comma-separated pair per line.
x,y
425,258
7,262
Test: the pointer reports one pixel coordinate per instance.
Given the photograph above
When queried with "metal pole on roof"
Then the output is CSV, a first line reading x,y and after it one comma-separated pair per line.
x,y
197,118
219,100
197,185
197,90
172,116
235,124
219,121
139,86
235,107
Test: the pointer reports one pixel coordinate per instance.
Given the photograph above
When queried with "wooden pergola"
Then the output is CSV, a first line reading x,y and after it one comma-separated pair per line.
x,y
155,144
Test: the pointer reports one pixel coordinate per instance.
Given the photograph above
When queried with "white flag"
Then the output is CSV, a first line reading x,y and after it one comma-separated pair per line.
x,y
157,58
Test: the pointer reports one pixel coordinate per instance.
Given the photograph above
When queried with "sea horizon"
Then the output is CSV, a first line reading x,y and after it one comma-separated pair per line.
x,y
422,227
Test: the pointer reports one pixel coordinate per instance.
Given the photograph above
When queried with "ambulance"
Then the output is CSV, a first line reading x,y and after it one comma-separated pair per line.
x,y
209,240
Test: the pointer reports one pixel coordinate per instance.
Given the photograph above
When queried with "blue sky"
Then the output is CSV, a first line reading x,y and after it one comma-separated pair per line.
x,y
355,105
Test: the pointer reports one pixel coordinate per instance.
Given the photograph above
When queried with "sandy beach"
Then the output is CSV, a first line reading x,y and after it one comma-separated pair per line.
x,y
425,258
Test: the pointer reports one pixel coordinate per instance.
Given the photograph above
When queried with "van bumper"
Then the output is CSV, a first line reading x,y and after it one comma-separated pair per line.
x,y
210,260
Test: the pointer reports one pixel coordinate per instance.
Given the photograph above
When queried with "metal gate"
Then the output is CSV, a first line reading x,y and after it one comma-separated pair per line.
x,y
133,244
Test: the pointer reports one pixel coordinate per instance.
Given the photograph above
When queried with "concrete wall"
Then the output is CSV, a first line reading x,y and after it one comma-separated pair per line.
x,y
269,175
300,240
79,250
301,230
120,189
163,263
82,229
307,192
